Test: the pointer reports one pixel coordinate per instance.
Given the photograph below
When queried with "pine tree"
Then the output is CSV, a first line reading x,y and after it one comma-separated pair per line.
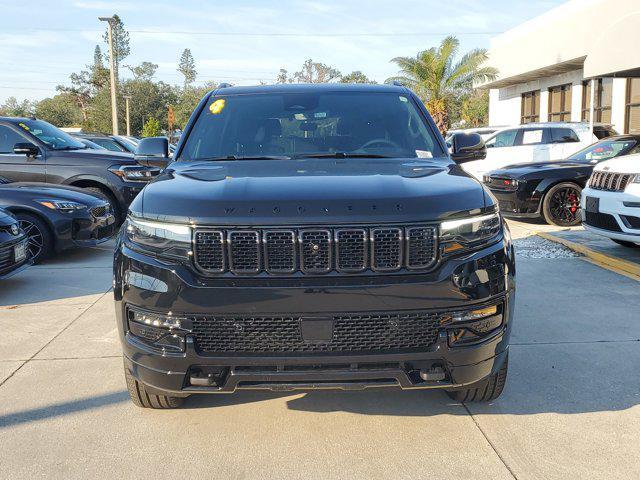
x,y
187,67
121,48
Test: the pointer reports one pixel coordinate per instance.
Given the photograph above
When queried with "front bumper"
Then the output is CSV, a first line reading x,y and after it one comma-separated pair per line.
x,y
8,264
624,207
82,229
521,203
484,277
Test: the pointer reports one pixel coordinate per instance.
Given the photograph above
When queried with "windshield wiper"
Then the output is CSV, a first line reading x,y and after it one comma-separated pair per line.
x,y
248,157
340,155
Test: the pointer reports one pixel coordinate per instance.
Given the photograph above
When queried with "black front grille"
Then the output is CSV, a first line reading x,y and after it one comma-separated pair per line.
x,y
315,250
7,256
392,332
603,221
100,211
613,182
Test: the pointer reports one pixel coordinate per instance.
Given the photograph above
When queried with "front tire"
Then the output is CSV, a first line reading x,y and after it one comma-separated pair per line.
x,y
561,205
40,239
485,391
624,243
142,398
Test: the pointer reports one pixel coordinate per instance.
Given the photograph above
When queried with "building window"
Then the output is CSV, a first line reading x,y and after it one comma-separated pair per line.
x,y
632,123
602,100
560,103
530,111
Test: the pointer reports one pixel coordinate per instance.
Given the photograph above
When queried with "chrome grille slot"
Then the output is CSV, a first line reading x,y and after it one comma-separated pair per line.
x,y
244,251
279,251
351,249
209,251
386,246
613,182
421,247
315,251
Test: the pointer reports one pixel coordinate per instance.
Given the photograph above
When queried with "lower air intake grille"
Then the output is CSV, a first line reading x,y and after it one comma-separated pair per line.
x,y
395,332
603,221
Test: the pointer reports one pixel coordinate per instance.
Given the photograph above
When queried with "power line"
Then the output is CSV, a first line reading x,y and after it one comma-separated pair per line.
x,y
267,34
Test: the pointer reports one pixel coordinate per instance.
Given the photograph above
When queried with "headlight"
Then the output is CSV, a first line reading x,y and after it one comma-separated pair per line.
x,y
469,232
135,173
636,179
62,205
164,239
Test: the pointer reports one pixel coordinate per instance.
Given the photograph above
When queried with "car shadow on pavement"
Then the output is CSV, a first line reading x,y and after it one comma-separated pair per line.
x,y
61,409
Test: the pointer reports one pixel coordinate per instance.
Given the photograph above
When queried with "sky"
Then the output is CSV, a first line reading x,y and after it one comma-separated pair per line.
x,y
240,41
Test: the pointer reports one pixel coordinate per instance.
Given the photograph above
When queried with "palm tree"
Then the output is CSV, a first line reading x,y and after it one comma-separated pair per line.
x,y
437,80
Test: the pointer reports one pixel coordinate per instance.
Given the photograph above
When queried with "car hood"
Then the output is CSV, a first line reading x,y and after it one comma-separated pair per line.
x,y
309,191
523,169
25,191
624,164
94,155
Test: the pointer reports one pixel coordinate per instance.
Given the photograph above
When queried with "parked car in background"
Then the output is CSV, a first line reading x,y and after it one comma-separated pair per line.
x,y
484,132
611,200
313,236
90,144
56,217
552,190
536,142
13,246
33,150
115,143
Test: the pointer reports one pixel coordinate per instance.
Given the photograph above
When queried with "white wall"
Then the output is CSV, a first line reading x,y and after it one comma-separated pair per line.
x,y
505,103
618,103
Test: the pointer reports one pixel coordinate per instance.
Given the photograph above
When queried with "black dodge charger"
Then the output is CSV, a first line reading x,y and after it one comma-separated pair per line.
x,y
13,246
551,190
313,236
56,217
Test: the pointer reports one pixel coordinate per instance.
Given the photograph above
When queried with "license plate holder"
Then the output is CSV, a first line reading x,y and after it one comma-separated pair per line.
x,y
592,205
20,252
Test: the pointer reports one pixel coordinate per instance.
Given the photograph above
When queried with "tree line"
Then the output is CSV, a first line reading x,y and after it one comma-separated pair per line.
x,y
443,82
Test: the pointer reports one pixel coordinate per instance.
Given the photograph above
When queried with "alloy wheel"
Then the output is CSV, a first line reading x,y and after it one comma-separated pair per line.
x,y
35,239
565,205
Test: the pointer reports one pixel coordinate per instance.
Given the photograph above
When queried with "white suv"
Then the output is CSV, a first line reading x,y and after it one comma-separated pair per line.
x,y
536,142
611,202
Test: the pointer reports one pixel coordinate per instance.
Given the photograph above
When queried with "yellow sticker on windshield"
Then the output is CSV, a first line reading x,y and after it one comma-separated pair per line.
x,y
217,106
24,126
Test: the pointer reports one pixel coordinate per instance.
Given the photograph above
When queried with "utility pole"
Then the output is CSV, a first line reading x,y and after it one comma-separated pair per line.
x,y
126,102
112,66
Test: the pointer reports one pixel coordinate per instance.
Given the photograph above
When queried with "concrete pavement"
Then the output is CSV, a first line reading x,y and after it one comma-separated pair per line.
x,y
571,408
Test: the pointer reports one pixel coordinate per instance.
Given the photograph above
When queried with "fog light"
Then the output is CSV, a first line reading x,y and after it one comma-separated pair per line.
x,y
162,331
474,325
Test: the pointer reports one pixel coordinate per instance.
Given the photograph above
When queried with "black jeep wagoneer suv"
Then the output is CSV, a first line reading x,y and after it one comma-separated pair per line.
x,y
313,236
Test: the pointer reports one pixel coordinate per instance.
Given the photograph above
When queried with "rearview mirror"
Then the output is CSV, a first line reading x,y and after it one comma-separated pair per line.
x,y
153,151
26,148
466,147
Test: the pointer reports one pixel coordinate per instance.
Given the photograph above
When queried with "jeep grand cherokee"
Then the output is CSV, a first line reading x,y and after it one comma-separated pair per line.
x,y
313,236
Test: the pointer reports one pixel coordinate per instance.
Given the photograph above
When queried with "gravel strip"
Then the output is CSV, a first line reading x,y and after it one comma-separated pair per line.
x,y
538,247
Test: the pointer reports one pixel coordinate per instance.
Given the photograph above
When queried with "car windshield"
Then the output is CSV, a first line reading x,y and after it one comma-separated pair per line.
x,y
290,125
53,137
603,150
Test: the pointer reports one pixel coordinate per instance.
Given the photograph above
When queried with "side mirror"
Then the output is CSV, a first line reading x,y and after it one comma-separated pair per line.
x,y
26,148
466,147
153,152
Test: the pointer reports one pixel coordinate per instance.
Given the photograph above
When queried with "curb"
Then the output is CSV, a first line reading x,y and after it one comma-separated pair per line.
x,y
618,265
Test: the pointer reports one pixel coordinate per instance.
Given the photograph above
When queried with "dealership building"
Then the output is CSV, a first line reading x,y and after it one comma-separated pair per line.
x,y
553,67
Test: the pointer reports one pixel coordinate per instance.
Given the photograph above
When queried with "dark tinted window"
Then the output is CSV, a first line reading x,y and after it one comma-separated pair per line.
x,y
52,136
8,138
109,144
290,124
603,132
563,135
